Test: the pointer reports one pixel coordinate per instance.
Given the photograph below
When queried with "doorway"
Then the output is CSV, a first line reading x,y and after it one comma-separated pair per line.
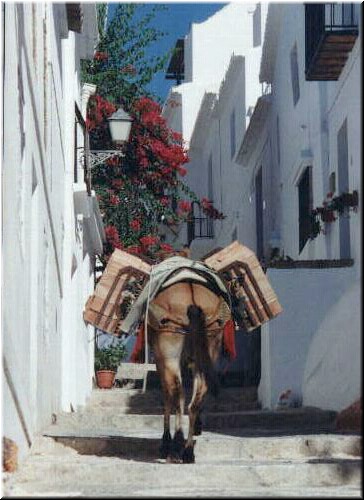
x,y
343,186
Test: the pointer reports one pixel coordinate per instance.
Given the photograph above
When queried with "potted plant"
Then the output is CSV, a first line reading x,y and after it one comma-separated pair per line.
x,y
106,363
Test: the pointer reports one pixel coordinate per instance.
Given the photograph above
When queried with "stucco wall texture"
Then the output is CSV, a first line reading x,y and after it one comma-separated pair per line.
x,y
314,346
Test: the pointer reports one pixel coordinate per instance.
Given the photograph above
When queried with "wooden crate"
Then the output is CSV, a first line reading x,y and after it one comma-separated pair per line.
x,y
238,264
103,307
235,263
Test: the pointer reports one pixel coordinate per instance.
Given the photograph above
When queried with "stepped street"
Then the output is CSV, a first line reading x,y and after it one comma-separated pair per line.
x,y
110,448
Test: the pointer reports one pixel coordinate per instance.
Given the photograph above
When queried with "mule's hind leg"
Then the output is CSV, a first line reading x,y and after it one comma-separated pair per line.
x,y
167,349
197,430
166,444
173,398
178,443
199,391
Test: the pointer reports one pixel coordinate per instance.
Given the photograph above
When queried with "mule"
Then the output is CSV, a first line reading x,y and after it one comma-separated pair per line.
x,y
186,323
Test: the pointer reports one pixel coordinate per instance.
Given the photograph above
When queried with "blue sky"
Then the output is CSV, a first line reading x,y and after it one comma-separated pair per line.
x,y
176,21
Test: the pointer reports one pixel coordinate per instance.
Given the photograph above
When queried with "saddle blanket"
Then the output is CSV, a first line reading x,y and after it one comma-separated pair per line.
x,y
164,274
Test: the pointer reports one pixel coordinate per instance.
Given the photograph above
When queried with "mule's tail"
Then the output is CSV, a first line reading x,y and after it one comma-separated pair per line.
x,y
203,363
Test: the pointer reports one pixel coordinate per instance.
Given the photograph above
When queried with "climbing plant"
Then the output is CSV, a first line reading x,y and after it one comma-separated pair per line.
x,y
145,188
122,66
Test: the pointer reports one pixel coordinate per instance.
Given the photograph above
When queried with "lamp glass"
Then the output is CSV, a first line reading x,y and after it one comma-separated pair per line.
x,y
120,126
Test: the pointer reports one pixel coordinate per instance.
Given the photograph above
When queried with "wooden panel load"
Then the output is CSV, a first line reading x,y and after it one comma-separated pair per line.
x,y
126,275
240,268
123,279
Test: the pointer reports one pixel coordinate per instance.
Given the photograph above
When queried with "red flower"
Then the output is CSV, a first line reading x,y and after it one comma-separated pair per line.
x,y
166,248
135,224
99,109
100,56
134,249
184,206
112,237
176,136
117,183
182,171
205,203
113,161
149,240
164,201
114,200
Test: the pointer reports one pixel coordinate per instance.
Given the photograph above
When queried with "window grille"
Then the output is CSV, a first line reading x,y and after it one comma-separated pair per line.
x,y
304,207
294,75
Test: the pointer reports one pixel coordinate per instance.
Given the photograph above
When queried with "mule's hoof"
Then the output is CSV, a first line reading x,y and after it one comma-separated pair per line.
x,y
166,444
188,456
173,458
163,451
197,430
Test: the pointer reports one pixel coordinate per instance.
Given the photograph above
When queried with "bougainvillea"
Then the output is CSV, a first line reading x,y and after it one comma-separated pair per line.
x,y
144,189
136,193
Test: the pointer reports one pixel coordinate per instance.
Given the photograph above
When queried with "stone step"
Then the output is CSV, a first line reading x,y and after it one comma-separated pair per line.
x,y
255,421
135,401
98,490
213,447
44,475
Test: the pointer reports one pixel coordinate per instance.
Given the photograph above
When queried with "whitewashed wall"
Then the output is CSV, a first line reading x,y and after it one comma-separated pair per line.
x,y
321,307
308,134
47,259
313,347
209,50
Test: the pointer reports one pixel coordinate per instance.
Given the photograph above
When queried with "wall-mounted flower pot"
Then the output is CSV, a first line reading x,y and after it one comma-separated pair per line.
x,y
105,378
328,216
350,199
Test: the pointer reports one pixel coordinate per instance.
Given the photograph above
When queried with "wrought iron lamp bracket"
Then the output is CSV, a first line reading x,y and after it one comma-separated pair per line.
x,y
95,157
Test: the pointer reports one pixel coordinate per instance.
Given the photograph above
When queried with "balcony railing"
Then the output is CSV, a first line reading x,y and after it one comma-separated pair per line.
x,y
198,224
331,31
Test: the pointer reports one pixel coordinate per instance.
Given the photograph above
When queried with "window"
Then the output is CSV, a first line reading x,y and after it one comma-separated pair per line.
x,y
232,133
304,207
294,75
259,229
210,180
343,186
257,26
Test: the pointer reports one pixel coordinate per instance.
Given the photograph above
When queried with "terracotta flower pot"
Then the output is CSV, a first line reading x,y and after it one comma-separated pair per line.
x,y
105,378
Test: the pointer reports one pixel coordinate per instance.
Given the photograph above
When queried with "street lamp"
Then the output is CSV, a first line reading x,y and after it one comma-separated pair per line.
x,y
119,126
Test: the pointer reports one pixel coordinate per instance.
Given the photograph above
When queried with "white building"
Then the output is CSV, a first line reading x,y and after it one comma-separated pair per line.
x,y
293,140
304,142
211,109
52,227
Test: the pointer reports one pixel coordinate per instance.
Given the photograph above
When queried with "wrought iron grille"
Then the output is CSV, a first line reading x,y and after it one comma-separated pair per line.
x,y
199,225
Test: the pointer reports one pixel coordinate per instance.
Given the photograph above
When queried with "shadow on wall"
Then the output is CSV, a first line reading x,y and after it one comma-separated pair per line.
x,y
315,303
332,374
